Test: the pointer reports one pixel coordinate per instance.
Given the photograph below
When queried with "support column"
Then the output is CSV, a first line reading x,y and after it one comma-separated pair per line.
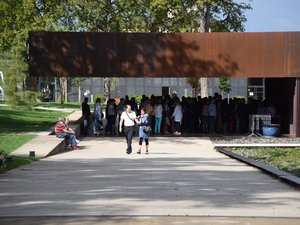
x,y
296,110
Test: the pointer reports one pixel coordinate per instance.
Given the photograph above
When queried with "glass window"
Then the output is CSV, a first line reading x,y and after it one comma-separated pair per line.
x,y
255,82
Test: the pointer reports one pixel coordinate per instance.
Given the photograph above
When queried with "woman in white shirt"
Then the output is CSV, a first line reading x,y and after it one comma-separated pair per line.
x,y
129,119
177,115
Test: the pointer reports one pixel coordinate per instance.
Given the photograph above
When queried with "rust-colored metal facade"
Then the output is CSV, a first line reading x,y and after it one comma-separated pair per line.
x,y
272,54
266,55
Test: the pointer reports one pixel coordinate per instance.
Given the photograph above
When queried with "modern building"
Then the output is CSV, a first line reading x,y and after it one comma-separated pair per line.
x,y
268,62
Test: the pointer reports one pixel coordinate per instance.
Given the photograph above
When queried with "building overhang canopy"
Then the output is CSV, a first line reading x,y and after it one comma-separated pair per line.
x,y
86,54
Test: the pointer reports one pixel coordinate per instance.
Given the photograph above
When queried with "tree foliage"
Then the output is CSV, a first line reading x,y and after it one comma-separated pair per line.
x,y
224,85
216,16
18,17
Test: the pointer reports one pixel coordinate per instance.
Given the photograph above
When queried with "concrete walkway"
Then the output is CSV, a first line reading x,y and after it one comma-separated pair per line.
x,y
182,176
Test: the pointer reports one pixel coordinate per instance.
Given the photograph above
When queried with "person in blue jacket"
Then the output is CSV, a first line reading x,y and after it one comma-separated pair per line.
x,y
144,130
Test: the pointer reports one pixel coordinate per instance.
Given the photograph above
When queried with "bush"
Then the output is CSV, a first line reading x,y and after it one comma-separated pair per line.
x,y
138,98
23,99
99,96
238,97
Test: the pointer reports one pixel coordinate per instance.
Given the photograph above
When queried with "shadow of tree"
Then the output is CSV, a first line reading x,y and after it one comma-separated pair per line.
x,y
157,184
128,55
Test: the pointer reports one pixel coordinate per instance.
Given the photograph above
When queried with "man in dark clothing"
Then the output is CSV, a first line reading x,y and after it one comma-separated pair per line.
x,y
86,112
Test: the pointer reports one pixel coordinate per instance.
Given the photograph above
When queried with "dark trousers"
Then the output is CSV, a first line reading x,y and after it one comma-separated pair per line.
x,y
110,127
141,141
86,124
212,124
128,135
177,126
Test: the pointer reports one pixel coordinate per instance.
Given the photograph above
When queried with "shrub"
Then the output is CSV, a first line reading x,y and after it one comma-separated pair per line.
x,y
101,96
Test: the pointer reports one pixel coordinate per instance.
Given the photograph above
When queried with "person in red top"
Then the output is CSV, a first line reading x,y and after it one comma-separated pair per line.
x,y
62,131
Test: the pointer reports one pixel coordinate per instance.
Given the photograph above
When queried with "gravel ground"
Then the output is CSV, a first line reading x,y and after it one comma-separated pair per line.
x,y
254,140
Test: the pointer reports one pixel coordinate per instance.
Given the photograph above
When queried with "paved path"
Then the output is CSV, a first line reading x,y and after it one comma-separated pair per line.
x,y
182,177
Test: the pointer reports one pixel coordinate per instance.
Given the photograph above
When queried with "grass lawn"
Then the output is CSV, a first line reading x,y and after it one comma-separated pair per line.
x,y
9,143
287,159
16,120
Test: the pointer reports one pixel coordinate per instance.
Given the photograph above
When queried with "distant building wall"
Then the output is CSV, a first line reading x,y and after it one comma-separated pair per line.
x,y
149,86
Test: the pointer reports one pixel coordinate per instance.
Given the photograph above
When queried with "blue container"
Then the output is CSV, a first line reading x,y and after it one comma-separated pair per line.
x,y
270,129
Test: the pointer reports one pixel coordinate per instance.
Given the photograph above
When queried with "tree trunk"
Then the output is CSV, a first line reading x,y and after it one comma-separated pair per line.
x,y
204,25
66,89
106,88
207,18
79,94
63,87
203,86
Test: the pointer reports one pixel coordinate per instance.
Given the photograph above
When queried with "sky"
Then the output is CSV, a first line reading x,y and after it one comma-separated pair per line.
x,y
272,15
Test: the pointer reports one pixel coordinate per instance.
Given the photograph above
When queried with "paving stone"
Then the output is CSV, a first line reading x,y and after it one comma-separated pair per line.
x,y
180,177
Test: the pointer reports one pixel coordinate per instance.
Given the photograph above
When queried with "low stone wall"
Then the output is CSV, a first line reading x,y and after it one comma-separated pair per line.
x,y
76,125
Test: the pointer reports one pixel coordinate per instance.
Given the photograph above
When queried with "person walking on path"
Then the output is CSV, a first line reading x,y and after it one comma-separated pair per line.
x,y
86,112
111,114
144,123
98,125
129,119
177,115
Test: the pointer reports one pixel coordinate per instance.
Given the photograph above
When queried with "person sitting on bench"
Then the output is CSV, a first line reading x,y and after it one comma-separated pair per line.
x,y
62,131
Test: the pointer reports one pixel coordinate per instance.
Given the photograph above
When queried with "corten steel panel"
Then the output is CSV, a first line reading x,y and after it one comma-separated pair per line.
x,y
273,63
253,58
274,54
292,54
221,55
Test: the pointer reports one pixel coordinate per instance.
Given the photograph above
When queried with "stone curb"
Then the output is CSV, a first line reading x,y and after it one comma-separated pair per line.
x,y
282,175
257,145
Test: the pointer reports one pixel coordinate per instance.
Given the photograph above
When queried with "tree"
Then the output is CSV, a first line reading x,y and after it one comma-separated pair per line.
x,y
15,67
220,16
106,88
77,82
224,85
17,17
193,82
98,16
166,16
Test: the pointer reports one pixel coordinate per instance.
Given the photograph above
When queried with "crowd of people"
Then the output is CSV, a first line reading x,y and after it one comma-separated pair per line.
x,y
172,115
166,115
